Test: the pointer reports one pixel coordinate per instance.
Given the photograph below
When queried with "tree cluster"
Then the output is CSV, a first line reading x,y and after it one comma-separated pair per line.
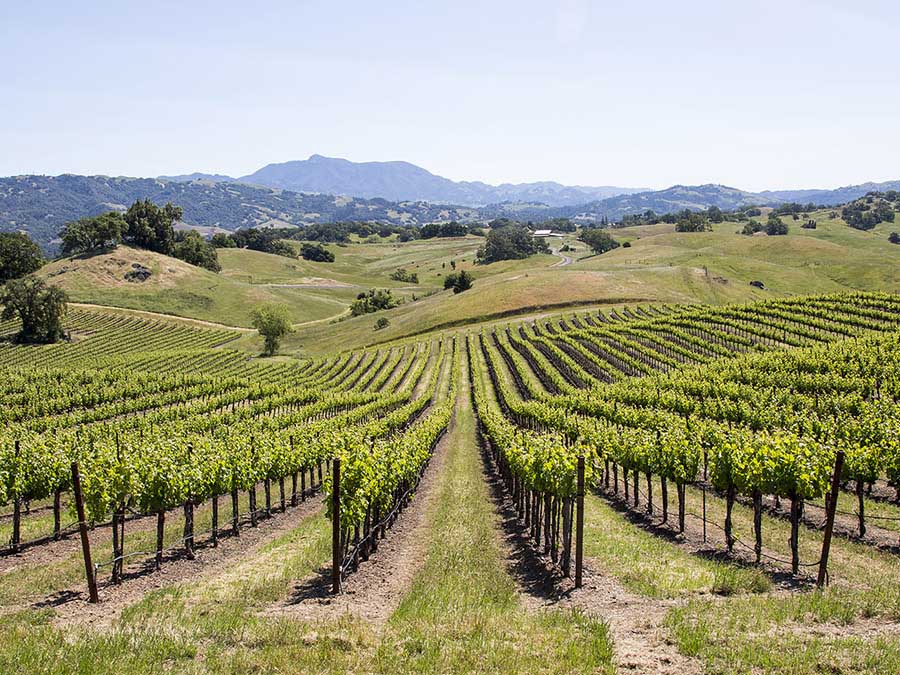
x,y
191,247
510,242
315,253
774,226
262,239
451,229
794,209
144,225
692,221
865,213
404,275
339,232
373,300
458,281
600,241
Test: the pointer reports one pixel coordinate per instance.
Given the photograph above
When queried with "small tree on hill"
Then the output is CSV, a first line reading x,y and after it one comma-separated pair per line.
x,y
93,233
316,253
19,256
599,240
195,250
151,226
39,306
273,322
894,238
373,300
458,281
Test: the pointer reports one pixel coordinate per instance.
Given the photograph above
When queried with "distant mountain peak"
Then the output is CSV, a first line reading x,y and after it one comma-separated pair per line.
x,y
403,181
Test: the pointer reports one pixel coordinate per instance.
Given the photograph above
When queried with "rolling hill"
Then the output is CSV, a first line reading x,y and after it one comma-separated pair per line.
x,y
660,265
41,205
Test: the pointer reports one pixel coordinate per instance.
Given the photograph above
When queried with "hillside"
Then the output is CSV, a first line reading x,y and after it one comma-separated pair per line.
x,y
661,265
402,181
40,205
179,289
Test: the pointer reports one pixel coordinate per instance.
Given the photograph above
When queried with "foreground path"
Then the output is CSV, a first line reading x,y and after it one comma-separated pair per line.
x,y
463,612
374,591
634,621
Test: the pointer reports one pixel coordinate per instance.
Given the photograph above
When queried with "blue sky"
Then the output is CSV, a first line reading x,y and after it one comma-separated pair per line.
x,y
756,94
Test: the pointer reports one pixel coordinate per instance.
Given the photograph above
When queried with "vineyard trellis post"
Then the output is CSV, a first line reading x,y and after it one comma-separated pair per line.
x,y
17,507
83,530
579,523
336,553
829,518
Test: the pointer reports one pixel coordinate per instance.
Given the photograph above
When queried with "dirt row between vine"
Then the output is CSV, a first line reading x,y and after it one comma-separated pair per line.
x,y
635,622
375,590
71,605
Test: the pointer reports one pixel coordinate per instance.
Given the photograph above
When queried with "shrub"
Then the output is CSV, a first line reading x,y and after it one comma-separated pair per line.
x,y
402,274
315,252
458,281
373,300
382,323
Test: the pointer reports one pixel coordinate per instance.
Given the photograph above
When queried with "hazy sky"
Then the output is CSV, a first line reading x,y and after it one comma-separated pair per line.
x,y
755,94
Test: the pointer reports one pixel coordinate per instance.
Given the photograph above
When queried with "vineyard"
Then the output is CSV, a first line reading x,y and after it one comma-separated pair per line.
x,y
718,428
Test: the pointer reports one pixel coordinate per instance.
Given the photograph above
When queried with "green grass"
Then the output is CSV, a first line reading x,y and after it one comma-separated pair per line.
x,y
462,613
651,566
847,628
180,289
37,581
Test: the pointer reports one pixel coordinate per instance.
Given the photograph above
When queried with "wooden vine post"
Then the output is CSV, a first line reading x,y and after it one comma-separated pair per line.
x,y
189,518
17,509
579,522
83,530
829,517
336,557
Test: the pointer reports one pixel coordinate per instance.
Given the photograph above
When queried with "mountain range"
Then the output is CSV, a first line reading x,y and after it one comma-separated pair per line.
x,y
322,190
402,181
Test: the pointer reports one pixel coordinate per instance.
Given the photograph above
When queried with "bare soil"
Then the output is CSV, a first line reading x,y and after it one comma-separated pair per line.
x,y
141,577
635,622
375,590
